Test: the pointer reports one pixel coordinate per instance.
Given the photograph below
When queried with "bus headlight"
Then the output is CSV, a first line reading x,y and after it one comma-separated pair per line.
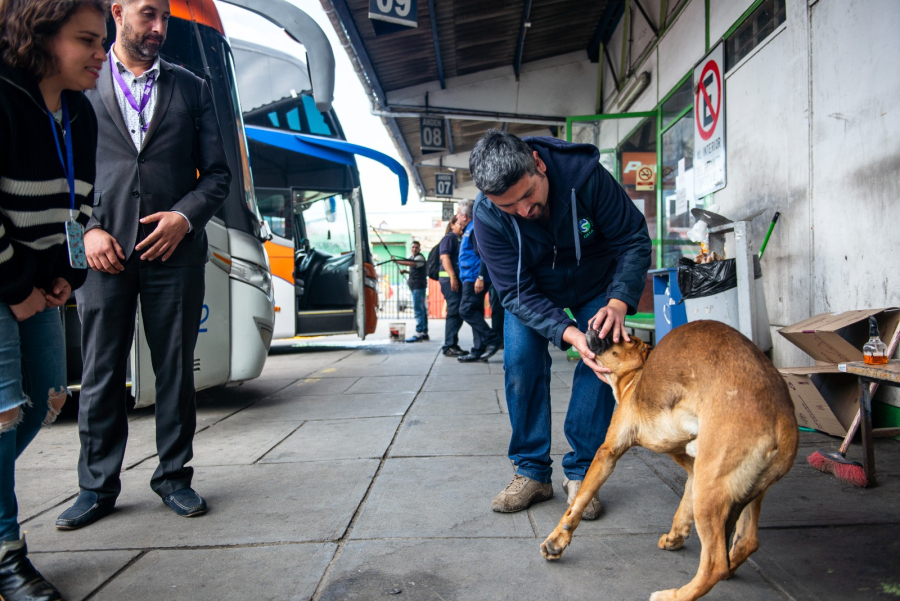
x,y
254,275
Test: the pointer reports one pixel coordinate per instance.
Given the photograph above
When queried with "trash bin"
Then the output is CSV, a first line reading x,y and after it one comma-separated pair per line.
x,y
669,311
710,292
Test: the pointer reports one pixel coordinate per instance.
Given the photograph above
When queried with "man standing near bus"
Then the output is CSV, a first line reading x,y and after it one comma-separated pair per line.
x,y
418,283
557,232
161,176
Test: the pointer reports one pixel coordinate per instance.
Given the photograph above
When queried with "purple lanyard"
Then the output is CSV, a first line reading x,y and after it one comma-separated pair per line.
x,y
145,96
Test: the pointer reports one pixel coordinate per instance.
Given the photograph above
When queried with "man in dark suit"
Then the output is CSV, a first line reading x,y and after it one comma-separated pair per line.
x,y
161,176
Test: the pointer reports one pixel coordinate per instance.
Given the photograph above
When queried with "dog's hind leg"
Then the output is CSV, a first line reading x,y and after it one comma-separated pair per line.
x,y
746,536
681,524
712,509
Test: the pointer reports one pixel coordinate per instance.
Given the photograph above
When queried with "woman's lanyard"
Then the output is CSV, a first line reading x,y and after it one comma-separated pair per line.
x,y
145,95
68,165
74,230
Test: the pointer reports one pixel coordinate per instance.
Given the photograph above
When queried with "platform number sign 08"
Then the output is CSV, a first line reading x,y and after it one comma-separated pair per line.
x,y
431,131
443,184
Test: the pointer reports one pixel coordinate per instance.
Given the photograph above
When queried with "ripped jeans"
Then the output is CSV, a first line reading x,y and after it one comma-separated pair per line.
x,y
32,370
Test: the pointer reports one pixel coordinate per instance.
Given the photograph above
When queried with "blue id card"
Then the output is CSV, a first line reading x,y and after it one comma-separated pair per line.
x,y
75,242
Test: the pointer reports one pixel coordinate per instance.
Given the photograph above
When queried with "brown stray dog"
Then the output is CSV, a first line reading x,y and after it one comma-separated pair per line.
x,y
709,398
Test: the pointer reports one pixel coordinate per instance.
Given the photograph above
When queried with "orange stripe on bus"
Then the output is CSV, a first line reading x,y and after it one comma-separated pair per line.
x,y
281,260
204,11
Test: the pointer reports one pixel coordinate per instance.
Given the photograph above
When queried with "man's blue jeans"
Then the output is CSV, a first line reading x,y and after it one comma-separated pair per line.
x,y
526,362
421,310
32,366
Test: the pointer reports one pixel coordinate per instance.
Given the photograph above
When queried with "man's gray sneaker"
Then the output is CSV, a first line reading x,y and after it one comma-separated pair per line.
x,y
592,511
521,493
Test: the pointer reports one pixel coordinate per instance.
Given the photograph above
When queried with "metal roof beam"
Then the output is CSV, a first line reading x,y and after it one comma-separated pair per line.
x,y
605,27
653,27
520,45
437,45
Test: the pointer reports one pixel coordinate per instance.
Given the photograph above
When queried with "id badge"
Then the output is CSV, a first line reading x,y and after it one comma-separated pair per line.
x,y
75,242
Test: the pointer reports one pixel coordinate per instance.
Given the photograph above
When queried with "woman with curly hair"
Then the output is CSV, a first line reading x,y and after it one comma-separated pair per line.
x,y
50,51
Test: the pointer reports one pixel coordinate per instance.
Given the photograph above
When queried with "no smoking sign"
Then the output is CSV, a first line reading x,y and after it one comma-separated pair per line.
x,y
645,179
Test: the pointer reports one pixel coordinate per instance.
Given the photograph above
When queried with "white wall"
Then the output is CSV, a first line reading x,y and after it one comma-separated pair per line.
x,y
813,131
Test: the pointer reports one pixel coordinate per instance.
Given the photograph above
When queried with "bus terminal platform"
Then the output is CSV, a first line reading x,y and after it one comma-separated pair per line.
x,y
365,470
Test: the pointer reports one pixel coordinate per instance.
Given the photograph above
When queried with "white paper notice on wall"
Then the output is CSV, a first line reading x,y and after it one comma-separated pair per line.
x,y
685,192
709,123
680,195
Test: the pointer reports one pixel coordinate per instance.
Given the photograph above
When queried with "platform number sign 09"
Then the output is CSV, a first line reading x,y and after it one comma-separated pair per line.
x,y
431,131
398,12
443,184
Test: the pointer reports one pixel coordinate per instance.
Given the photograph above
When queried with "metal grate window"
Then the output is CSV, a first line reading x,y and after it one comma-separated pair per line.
x,y
756,28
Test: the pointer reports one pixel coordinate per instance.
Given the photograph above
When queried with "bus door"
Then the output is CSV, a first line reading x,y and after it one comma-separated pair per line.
x,y
328,263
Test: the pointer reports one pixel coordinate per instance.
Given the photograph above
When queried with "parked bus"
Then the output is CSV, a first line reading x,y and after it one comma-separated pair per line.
x,y
308,189
238,316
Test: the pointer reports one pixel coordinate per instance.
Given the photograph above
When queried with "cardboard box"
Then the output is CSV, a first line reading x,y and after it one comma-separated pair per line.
x,y
825,399
833,338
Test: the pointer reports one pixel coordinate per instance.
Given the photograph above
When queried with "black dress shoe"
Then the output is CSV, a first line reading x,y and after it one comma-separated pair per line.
x,y
19,580
186,503
454,351
87,509
471,357
489,351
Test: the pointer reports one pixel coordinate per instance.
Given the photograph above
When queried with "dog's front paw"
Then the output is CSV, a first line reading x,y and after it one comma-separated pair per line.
x,y
553,547
669,595
670,542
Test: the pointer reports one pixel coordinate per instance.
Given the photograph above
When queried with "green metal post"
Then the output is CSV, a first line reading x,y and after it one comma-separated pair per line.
x,y
707,25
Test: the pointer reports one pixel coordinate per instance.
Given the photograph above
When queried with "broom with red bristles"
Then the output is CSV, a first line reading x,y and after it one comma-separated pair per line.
x,y
848,471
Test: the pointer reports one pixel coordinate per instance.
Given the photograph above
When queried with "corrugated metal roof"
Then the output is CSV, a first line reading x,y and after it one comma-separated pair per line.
x,y
474,36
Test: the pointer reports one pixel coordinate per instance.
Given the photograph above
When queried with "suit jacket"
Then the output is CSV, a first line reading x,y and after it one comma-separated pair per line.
x,y
163,174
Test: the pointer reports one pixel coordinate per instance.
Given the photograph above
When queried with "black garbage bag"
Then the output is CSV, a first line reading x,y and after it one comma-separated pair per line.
x,y
696,280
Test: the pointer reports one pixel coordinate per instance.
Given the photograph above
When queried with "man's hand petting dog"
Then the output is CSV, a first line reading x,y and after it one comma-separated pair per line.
x,y
610,321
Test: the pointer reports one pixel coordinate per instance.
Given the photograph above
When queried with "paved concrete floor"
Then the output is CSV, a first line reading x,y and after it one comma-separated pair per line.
x,y
365,471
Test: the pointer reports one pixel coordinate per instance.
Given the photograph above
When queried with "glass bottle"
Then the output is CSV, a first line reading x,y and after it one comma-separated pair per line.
x,y
875,351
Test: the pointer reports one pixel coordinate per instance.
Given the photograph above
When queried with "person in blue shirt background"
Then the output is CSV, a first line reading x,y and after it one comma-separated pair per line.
x,y
475,283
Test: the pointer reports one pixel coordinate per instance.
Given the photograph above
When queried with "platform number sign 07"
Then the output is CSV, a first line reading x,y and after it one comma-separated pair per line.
x,y
431,131
443,184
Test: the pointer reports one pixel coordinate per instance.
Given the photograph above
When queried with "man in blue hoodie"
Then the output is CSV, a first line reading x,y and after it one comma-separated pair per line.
x,y
472,273
556,231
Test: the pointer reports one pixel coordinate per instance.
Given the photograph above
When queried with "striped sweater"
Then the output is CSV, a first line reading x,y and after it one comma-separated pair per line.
x,y
34,192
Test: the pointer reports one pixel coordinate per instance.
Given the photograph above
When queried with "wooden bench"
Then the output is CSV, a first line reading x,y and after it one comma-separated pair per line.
x,y
883,374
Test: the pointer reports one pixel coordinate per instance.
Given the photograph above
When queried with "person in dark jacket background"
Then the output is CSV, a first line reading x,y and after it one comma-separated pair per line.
x,y
472,274
556,231
50,50
450,287
418,285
